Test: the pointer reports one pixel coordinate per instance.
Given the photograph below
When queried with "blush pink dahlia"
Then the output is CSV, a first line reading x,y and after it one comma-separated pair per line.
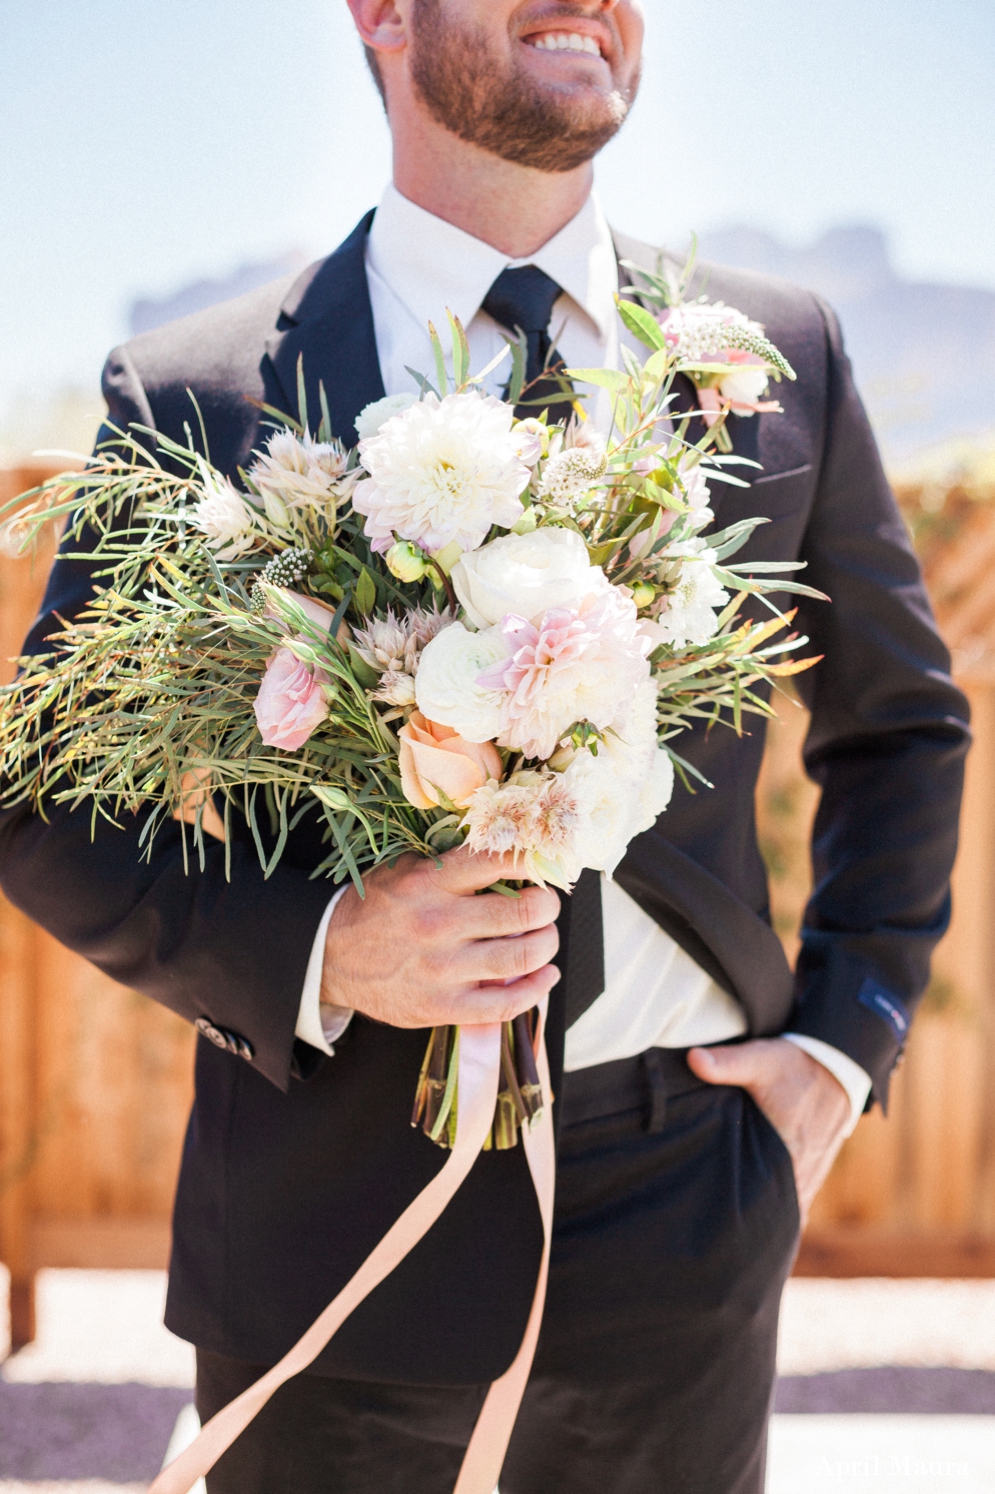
x,y
575,664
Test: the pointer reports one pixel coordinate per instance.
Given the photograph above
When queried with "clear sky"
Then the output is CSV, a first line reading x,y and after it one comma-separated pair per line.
x,y
148,143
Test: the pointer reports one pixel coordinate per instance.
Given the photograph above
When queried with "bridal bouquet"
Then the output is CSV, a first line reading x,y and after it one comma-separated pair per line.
x,y
470,628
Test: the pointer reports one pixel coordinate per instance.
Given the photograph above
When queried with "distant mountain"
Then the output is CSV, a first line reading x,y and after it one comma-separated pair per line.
x,y
147,313
923,355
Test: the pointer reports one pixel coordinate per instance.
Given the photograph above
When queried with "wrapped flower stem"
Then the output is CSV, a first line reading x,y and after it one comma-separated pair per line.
x,y
519,1101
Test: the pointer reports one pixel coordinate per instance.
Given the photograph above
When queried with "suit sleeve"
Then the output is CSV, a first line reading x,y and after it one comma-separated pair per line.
x,y
888,737
231,951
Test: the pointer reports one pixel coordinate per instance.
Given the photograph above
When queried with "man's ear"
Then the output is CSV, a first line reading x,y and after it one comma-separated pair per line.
x,y
380,23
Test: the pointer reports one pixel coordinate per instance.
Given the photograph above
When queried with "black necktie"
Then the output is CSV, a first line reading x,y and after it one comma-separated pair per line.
x,y
523,299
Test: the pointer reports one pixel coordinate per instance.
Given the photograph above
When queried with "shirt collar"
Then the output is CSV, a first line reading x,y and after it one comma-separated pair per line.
x,y
430,264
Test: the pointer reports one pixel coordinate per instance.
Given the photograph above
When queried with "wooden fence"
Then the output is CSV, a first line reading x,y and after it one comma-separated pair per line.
x,y
95,1081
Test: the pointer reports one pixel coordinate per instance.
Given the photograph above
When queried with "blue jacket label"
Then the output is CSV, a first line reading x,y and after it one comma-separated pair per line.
x,y
886,1005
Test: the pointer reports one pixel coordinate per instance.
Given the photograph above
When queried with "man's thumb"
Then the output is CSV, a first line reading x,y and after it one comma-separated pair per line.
x,y
730,1065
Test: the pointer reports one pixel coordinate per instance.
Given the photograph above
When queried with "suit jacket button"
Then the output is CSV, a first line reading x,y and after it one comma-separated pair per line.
x,y
214,1035
245,1049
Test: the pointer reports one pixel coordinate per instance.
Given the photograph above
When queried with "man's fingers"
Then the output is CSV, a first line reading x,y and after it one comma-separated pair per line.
x,y
478,1004
508,959
462,871
492,916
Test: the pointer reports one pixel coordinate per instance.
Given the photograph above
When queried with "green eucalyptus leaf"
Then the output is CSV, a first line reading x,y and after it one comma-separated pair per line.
x,y
642,325
366,592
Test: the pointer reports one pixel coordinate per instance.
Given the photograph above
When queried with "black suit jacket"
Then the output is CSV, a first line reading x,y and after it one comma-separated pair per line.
x,y
294,1166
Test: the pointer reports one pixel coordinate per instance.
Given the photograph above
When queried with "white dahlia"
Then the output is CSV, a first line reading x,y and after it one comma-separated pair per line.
x,y
442,471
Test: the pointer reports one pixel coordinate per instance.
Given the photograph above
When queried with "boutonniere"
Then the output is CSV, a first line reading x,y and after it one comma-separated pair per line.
x,y
725,355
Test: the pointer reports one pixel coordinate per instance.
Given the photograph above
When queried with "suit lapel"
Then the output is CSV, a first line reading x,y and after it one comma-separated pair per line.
x,y
327,320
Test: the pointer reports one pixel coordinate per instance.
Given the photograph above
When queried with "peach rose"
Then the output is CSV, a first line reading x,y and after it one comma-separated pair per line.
x,y
435,758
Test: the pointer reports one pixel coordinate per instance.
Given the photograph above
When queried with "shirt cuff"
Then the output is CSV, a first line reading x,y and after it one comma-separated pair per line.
x,y
318,1023
855,1080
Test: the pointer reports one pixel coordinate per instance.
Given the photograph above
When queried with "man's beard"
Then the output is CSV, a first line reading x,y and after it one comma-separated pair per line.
x,y
504,113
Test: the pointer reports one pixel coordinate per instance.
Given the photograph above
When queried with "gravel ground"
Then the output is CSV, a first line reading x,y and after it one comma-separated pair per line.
x,y
884,1385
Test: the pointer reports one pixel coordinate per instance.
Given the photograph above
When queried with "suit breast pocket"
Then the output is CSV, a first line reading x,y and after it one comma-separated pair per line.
x,y
784,500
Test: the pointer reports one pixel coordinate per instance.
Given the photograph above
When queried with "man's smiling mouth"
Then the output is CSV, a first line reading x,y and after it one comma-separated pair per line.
x,y
564,41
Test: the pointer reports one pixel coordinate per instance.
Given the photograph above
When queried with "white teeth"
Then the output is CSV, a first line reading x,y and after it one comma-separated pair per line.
x,y
562,41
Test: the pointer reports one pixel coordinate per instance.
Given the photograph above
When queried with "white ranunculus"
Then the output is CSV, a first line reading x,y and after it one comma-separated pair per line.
x,y
441,471
224,517
446,685
633,744
526,574
745,385
375,415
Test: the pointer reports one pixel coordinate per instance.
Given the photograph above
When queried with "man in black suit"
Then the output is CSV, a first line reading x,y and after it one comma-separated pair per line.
x,y
701,1090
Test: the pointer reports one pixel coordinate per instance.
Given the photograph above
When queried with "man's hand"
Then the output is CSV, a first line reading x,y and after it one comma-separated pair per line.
x,y
804,1102
427,946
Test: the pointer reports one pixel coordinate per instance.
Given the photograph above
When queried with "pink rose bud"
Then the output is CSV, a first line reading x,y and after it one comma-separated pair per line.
x,y
291,702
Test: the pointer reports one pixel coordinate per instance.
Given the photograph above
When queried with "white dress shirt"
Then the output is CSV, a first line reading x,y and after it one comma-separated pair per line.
x,y
418,266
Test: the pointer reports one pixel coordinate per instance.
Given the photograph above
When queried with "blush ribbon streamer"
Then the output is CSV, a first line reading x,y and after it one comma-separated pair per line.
x,y
479,1067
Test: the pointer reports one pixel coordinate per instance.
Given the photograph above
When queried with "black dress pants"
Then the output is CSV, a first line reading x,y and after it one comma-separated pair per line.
x,y
676,1224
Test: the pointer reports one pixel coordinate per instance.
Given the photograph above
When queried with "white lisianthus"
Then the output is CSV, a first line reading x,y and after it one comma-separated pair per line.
x,y
621,791
446,686
531,439
527,574
442,471
374,416
689,613
224,517
745,386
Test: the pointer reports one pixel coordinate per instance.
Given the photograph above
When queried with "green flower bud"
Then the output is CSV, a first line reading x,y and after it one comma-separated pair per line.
x,y
643,593
406,561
